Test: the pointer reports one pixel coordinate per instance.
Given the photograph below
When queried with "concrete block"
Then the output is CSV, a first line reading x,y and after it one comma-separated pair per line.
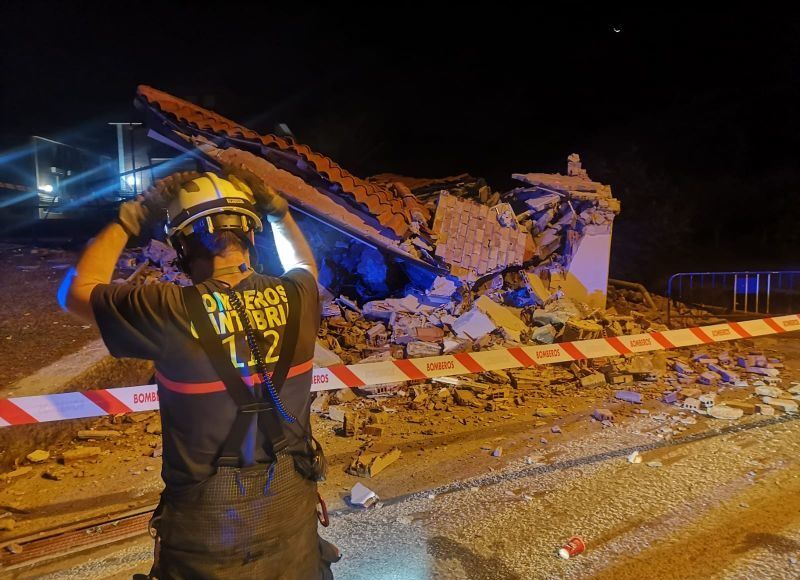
x,y
725,412
336,413
473,325
691,404
785,405
767,391
544,334
708,400
501,316
344,396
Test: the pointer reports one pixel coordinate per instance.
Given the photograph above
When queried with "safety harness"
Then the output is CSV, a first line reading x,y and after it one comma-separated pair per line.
x,y
270,411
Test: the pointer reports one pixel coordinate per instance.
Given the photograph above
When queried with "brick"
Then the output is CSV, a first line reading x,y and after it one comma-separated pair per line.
x,y
764,409
628,396
373,430
682,368
383,461
690,393
350,426
725,375
91,434
79,454
671,397
747,408
709,378
38,456
593,380
763,371
603,415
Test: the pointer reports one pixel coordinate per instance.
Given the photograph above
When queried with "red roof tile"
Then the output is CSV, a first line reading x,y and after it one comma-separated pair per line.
x,y
392,206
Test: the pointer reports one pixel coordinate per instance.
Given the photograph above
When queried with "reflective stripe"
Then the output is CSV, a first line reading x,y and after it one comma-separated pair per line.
x,y
186,388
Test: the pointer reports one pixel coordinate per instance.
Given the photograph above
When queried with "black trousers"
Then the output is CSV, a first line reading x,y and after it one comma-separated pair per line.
x,y
258,522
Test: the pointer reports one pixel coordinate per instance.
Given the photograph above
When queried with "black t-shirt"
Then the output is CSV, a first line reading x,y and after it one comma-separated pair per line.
x,y
151,322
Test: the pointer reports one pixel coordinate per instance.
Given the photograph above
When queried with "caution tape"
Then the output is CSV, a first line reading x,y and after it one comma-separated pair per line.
x,y
118,401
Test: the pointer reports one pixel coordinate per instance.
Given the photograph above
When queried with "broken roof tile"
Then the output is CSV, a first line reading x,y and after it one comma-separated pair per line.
x,y
394,207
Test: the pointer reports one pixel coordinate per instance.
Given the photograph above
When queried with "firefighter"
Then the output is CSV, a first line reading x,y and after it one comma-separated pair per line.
x,y
239,464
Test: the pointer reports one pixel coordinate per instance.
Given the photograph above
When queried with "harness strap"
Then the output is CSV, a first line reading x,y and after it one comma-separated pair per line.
x,y
269,420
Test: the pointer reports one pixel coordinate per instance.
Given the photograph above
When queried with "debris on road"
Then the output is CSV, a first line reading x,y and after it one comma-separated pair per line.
x,y
20,471
38,456
91,434
362,496
366,464
725,412
79,454
573,547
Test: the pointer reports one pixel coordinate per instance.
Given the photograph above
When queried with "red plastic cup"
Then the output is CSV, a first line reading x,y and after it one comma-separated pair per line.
x,y
573,547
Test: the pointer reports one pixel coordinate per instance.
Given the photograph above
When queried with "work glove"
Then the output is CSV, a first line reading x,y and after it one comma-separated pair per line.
x,y
268,201
149,208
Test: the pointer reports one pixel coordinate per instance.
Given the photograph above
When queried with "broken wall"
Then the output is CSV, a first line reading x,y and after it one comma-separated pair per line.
x,y
586,279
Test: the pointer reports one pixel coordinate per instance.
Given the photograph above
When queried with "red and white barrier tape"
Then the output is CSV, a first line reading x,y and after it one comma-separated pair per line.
x,y
80,405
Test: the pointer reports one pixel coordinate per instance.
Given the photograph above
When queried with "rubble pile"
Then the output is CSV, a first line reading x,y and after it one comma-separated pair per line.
x,y
557,211
476,232
673,388
153,263
449,318
553,232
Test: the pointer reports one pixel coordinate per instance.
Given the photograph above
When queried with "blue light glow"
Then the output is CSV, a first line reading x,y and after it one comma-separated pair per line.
x,y
63,290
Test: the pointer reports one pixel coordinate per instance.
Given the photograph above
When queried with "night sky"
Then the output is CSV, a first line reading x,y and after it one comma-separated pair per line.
x,y
692,118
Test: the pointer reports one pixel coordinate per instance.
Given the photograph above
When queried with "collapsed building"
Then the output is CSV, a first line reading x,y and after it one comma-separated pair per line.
x,y
418,267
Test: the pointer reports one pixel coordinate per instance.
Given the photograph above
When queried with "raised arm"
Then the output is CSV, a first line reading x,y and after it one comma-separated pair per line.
x,y
293,249
96,264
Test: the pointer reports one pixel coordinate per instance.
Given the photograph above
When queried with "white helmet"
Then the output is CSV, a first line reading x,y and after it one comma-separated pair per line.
x,y
212,203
